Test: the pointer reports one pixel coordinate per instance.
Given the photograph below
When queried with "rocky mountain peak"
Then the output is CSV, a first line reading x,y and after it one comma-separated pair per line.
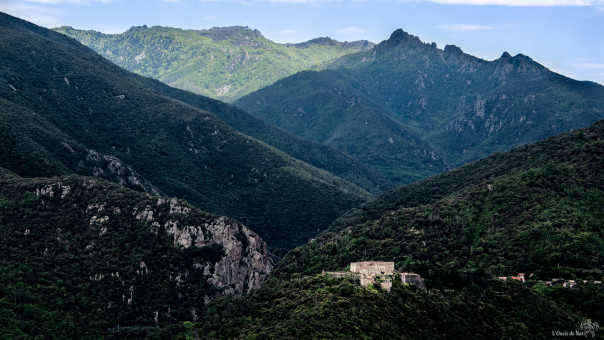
x,y
451,50
520,61
462,62
400,37
505,56
518,64
323,41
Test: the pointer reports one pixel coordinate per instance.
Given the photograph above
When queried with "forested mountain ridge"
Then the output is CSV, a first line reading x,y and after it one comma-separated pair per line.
x,y
181,150
222,62
34,147
334,108
536,209
81,255
459,107
483,172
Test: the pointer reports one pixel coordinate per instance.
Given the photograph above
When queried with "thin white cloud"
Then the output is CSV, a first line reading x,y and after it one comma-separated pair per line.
x,y
527,3
518,3
210,17
466,27
350,29
287,32
172,1
312,2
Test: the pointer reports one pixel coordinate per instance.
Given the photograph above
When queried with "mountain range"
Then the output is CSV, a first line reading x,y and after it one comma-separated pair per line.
x,y
222,62
130,209
410,110
71,111
404,108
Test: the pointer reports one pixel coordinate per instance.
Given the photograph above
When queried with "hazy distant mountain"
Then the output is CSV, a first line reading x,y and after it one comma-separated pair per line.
x,y
76,108
222,62
407,108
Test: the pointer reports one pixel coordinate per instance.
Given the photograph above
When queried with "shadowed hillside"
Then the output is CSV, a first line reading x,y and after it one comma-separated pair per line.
x,y
181,150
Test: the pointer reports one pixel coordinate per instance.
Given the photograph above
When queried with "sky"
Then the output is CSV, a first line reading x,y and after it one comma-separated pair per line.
x,y
567,36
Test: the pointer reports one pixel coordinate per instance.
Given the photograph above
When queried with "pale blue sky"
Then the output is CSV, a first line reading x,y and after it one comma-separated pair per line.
x,y
566,36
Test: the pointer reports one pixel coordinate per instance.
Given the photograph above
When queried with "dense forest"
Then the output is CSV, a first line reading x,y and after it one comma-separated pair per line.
x,y
81,255
538,211
542,216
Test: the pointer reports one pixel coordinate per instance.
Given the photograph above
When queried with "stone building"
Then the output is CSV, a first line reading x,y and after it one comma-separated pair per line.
x,y
372,268
378,273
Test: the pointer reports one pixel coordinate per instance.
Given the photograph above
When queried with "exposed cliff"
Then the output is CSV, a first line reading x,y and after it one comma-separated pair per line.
x,y
88,252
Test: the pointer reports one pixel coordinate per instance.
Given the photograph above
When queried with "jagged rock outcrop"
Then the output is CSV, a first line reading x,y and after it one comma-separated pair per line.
x,y
463,63
399,36
104,209
518,65
245,263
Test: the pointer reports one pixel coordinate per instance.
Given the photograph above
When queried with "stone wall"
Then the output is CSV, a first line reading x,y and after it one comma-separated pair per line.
x,y
412,278
372,268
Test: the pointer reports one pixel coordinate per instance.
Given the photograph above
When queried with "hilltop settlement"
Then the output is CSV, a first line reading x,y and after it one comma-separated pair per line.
x,y
378,273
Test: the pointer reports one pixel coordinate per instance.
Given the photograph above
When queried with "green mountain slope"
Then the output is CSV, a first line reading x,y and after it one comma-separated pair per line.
x,y
322,308
334,108
460,107
183,151
485,172
79,256
33,147
319,155
539,212
222,62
